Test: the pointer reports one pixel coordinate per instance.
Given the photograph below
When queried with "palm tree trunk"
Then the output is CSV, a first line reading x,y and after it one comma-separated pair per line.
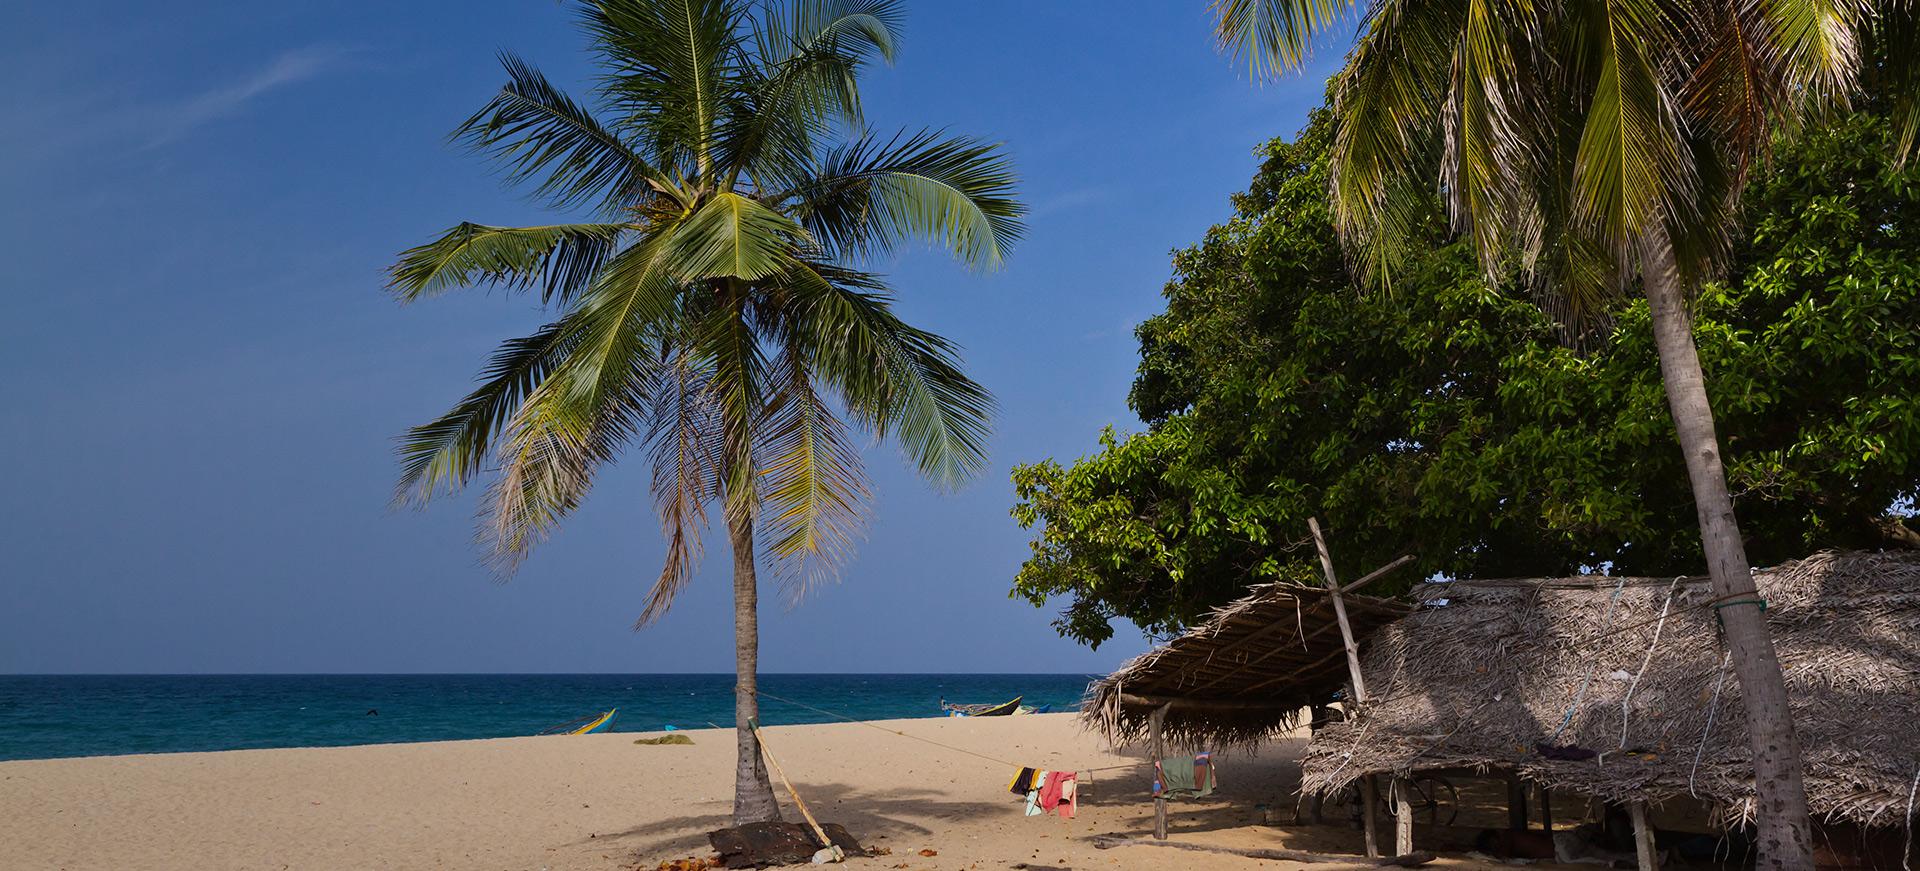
x,y
753,799
1785,830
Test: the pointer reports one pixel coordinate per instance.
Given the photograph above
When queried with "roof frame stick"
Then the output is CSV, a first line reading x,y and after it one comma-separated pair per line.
x,y
1378,573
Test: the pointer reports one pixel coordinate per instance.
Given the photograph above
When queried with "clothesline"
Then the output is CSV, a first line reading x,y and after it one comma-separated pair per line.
x,y
961,750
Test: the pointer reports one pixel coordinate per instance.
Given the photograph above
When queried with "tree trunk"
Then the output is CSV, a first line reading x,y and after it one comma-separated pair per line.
x,y
1784,838
753,800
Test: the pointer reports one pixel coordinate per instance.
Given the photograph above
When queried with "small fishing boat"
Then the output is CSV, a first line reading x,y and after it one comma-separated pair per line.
x,y
1000,710
584,725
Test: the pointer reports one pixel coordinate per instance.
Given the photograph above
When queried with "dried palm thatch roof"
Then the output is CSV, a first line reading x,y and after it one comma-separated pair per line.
x,y
1243,674
1635,670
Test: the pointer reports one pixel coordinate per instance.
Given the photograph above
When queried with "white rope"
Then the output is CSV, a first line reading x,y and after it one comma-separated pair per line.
x,y
1566,719
1712,709
1627,700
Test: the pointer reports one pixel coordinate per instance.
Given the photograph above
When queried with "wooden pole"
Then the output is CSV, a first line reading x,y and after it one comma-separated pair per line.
x,y
1158,718
825,842
1369,793
1643,837
1340,612
1516,804
1546,808
1402,817
1370,796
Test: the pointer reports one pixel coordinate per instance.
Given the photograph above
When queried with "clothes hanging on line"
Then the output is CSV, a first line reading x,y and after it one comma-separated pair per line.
x,y
1033,795
1060,793
1022,782
1176,778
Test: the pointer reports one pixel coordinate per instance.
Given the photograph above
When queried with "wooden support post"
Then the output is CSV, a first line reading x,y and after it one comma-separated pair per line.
x,y
1340,612
1158,718
1516,803
1402,817
1643,837
826,843
1546,808
1370,797
1369,792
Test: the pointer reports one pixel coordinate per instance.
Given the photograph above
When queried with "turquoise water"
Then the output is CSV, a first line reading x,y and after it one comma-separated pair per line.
x,y
48,716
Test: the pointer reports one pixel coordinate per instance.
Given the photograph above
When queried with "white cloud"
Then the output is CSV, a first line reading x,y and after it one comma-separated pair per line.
x,y
177,120
1070,200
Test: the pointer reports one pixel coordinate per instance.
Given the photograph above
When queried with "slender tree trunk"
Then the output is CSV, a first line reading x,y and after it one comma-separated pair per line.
x,y
1785,830
753,799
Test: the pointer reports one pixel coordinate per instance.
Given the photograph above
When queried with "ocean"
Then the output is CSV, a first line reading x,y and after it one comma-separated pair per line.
x,y
52,716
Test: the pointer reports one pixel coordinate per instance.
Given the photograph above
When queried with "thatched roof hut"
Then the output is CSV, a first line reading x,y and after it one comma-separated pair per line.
x,y
1243,674
1488,674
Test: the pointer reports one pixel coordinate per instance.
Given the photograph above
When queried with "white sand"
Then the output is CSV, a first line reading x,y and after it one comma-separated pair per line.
x,y
602,802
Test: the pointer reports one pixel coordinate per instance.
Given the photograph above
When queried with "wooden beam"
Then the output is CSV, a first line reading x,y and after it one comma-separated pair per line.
x,y
1183,703
1159,719
1643,837
1402,817
1546,808
1340,613
1378,573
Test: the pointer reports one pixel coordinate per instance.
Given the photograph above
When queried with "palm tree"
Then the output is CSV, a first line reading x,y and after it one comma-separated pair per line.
x,y
712,312
1587,143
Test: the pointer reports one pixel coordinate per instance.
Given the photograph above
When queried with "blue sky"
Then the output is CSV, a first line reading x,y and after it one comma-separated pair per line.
x,y
202,376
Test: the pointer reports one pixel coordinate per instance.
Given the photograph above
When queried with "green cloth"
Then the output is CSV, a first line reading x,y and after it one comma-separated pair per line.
x,y
1183,778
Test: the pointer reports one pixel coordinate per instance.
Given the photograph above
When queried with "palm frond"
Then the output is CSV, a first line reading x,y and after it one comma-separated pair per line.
x,y
672,70
448,452
1631,167
547,458
1275,35
1387,107
1813,44
811,482
732,236
804,85
896,380
682,429
562,258
542,136
953,192
725,337
1490,122
591,404
1895,26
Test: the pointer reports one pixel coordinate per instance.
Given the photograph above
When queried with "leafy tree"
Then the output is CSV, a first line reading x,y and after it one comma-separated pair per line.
x,y
1446,420
713,314
1595,143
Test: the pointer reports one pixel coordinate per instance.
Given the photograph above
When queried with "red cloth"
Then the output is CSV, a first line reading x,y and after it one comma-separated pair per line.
x,y
1059,793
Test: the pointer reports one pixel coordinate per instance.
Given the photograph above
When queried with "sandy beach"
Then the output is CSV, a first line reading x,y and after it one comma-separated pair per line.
x,y
602,802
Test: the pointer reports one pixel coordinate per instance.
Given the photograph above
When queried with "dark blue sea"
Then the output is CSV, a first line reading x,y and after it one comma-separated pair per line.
x,y
48,716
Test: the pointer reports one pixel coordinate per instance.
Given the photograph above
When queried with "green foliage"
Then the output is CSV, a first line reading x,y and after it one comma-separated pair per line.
x,y
1445,419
